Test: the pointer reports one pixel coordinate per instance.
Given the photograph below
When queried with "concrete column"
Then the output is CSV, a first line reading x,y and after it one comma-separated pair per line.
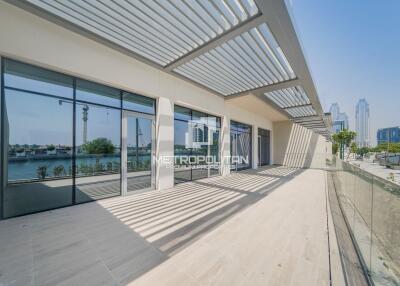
x,y
254,143
164,144
225,145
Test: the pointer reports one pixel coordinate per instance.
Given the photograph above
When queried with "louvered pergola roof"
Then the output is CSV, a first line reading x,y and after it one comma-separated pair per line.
x,y
230,47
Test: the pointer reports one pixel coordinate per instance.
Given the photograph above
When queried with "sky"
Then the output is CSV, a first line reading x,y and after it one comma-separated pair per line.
x,y
353,51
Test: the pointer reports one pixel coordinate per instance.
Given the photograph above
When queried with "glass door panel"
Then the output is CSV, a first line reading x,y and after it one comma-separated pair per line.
x,y
138,152
241,135
259,150
263,147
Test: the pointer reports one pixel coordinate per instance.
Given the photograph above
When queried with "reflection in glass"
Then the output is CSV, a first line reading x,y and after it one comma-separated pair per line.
x,y
97,93
138,103
28,77
196,145
97,152
139,152
37,159
241,135
263,147
214,150
183,171
38,131
182,113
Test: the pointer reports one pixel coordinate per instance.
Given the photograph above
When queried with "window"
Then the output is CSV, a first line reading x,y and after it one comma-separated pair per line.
x,y
38,140
41,166
241,143
138,103
196,145
96,93
22,76
98,154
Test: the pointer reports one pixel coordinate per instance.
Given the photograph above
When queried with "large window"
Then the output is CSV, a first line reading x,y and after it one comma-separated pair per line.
x,y
38,139
47,160
241,135
196,145
98,140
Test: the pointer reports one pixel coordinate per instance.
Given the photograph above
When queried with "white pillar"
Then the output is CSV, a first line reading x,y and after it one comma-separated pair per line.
x,y
164,143
225,145
271,146
254,147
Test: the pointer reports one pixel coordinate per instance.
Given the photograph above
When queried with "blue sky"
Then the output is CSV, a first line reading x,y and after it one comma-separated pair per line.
x,y
353,51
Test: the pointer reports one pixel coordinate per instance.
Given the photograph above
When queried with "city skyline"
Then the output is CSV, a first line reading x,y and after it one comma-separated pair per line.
x,y
346,64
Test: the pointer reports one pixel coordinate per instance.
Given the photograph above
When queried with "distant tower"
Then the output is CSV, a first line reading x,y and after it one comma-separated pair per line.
x,y
340,120
85,110
334,110
362,123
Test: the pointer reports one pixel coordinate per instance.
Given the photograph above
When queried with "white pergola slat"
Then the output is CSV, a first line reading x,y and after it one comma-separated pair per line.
x,y
229,47
248,61
289,97
161,31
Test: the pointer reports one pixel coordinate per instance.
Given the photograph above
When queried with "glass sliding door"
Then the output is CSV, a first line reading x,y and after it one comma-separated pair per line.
x,y
214,132
183,170
259,149
196,145
263,147
37,139
138,153
61,140
241,145
199,130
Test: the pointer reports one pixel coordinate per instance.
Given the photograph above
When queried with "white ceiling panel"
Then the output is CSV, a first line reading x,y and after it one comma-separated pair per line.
x,y
159,30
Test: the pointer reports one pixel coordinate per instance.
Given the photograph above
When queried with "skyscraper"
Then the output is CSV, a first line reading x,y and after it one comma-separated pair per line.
x,y
339,119
362,123
334,110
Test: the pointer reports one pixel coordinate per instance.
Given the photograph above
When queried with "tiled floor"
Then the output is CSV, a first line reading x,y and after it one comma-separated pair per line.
x,y
265,227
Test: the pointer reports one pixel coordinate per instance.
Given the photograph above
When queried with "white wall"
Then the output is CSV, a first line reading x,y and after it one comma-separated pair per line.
x,y
296,146
31,39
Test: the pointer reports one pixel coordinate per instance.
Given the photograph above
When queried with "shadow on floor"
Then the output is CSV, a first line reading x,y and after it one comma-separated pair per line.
x,y
115,241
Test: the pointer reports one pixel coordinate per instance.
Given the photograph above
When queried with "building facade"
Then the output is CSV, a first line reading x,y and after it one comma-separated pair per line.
x,y
389,134
340,120
362,123
85,118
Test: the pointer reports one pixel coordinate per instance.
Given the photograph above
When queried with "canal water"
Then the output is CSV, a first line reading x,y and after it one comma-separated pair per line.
x,y
27,169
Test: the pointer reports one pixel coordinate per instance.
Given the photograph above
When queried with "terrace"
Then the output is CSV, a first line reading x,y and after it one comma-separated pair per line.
x,y
149,80
250,228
